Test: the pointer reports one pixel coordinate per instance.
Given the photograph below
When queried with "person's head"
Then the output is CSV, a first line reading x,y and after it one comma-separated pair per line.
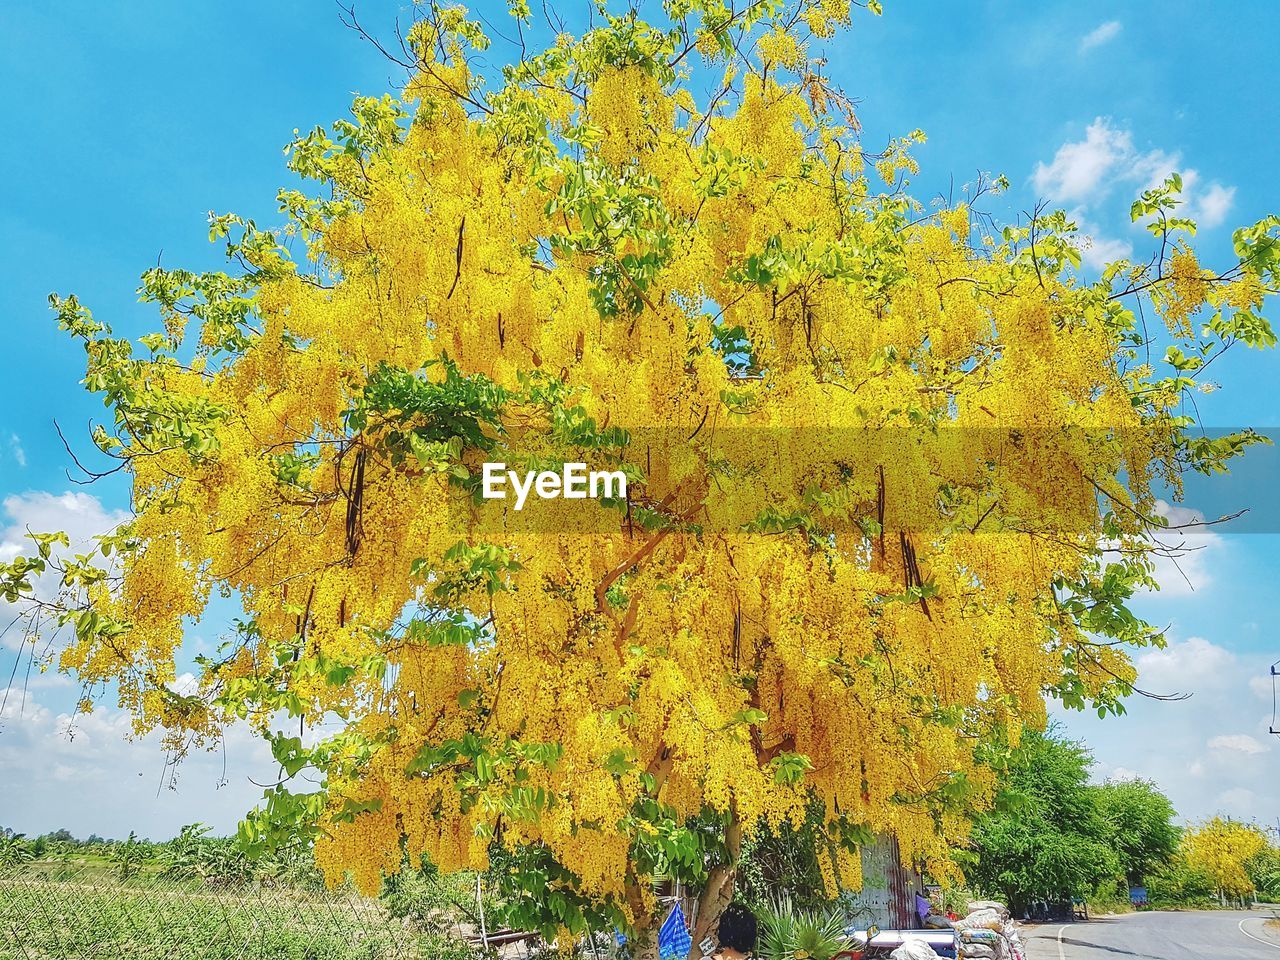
x,y
737,929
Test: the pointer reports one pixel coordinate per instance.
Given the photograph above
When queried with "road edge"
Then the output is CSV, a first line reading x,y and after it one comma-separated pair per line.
x,y
1240,926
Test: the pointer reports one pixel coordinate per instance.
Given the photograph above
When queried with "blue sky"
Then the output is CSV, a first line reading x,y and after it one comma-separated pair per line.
x,y
126,123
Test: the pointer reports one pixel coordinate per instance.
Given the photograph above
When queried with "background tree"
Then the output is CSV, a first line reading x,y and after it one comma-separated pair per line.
x,y
1046,839
893,470
15,849
1140,826
1264,872
795,858
1222,850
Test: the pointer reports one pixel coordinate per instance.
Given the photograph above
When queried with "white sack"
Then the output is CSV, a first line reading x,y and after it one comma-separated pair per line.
x,y
913,949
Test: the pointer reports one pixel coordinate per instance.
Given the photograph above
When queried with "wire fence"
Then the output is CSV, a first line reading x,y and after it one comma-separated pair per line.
x,y
61,911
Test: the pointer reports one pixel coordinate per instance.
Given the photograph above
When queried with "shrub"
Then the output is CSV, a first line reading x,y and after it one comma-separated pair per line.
x,y
787,931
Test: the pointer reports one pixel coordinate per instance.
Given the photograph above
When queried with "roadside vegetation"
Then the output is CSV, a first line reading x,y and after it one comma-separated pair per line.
x,y
198,896
1054,837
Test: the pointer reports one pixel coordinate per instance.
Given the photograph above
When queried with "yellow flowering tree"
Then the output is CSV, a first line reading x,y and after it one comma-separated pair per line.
x,y
1222,850
890,474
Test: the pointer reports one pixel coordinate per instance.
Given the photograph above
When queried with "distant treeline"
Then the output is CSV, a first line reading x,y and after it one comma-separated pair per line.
x,y
1053,835
194,853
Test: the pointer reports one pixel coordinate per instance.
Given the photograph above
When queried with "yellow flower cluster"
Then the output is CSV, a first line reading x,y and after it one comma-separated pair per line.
x,y
1187,291
782,48
1221,850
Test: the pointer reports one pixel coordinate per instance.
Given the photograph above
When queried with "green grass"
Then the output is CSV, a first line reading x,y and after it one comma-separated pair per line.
x,y
62,911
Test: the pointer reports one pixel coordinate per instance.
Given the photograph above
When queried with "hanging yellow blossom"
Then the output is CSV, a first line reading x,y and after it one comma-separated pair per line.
x,y
875,468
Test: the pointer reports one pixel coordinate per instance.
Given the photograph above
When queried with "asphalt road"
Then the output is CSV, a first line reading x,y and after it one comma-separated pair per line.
x,y
1157,935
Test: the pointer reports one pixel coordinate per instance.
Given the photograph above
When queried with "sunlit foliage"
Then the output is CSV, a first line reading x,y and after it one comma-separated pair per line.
x,y
1222,850
893,467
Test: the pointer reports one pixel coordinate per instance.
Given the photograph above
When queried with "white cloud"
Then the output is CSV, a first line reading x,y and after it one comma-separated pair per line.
x,y
1187,557
1082,169
81,516
1183,663
1123,775
85,773
1083,173
1178,515
1102,33
1097,250
1150,169
1235,799
1238,802
15,449
1210,754
49,680
1240,742
184,685
1213,206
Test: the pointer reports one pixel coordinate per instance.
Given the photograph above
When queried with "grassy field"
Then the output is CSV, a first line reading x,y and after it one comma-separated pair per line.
x,y
69,911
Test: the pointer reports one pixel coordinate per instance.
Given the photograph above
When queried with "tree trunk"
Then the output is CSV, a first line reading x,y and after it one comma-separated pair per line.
x,y
646,945
718,893
643,945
